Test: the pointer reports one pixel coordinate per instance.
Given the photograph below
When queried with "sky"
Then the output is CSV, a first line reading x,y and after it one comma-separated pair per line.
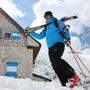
x,y
30,12
20,11
61,8
27,7
26,11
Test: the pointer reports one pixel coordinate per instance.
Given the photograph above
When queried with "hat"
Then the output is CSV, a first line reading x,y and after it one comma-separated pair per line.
x,y
48,13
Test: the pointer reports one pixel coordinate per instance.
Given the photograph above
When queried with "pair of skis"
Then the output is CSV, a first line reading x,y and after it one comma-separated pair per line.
x,y
28,29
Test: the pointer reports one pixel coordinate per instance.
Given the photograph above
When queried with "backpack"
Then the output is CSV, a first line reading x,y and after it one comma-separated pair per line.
x,y
64,31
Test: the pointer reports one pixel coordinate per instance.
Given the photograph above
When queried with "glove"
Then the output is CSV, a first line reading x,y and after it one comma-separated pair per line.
x,y
25,31
65,18
67,42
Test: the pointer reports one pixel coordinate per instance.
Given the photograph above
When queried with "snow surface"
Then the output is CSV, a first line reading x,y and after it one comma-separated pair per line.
x,y
7,83
43,66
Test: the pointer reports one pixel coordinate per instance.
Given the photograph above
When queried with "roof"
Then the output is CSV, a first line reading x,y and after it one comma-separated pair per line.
x,y
21,30
35,51
11,20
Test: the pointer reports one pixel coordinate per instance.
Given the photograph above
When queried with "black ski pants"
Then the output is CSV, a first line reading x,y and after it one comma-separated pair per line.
x,y
63,70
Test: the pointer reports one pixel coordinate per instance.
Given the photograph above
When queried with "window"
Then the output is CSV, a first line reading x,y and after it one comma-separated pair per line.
x,y
7,35
15,35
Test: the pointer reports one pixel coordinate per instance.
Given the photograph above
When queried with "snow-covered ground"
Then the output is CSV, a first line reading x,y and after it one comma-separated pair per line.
x,y
27,84
43,67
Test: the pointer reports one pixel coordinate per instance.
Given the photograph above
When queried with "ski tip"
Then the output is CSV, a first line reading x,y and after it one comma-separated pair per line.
x,y
75,16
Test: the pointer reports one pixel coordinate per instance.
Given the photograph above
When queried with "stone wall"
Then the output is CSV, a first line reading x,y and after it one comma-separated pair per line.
x,y
14,50
19,54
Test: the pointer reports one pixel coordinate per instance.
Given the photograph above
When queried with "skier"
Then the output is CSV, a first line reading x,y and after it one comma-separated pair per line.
x,y
56,45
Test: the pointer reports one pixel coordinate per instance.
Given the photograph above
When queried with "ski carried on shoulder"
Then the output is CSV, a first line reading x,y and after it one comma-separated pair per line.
x,y
28,29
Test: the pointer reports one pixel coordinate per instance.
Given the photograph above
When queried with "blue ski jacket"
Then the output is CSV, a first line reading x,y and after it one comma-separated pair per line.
x,y
51,33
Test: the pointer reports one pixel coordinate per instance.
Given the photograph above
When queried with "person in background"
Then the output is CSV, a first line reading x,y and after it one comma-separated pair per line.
x,y
56,45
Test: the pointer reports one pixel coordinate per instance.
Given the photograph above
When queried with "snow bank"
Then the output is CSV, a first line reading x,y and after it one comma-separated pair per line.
x,y
7,83
44,68
5,88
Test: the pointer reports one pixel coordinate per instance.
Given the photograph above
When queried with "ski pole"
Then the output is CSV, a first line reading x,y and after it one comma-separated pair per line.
x,y
80,60
77,61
